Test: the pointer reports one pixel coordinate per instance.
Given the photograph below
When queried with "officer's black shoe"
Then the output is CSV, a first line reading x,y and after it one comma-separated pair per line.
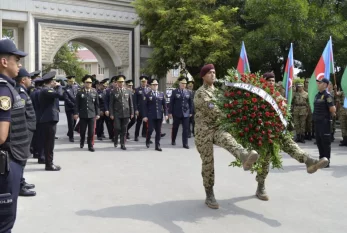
x,y
103,136
56,137
162,135
173,143
52,168
91,149
136,139
71,139
81,145
150,142
189,136
100,138
115,144
302,139
24,192
123,147
343,142
309,136
147,144
41,161
28,186
186,146
158,148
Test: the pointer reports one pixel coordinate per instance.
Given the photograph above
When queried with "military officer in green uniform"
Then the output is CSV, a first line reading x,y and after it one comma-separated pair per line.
x,y
121,109
87,109
300,105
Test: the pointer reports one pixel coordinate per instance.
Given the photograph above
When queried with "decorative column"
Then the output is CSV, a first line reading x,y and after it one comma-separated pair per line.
x,y
0,24
29,43
137,57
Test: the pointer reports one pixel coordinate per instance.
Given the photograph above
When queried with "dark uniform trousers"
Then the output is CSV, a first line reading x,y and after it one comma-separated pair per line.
x,y
71,123
40,137
100,126
90,123
120,126
9,191
30,135
131,123
154,124
34,142
110,127
48,131
185,125
191,126
139,121
322,131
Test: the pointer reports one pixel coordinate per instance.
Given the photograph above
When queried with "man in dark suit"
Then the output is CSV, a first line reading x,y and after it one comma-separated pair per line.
x,y
87,109
154,109
49,117
181,109
70,92
130,85
121,109
190,87
140,93
100,123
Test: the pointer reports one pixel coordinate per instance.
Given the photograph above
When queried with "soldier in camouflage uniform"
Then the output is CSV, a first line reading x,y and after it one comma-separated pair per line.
x,y
308,131
208,133
292,149
342,113
300,105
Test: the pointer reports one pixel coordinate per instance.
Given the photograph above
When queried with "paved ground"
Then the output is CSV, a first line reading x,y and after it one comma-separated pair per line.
x,y
142,190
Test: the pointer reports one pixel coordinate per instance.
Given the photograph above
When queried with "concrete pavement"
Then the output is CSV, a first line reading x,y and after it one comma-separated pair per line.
x,y
142,190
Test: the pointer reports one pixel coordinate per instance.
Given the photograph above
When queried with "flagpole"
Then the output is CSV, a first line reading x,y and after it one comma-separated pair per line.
x,y
335,83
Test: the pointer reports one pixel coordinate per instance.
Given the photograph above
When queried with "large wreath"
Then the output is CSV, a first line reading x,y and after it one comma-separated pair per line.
x,y
255,114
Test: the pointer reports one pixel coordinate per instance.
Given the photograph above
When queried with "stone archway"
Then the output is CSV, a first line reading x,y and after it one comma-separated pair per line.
x,y
111,47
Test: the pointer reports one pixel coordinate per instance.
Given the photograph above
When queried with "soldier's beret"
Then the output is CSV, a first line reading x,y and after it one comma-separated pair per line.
x,y
268,75
49,75
144,77
205,69
154,82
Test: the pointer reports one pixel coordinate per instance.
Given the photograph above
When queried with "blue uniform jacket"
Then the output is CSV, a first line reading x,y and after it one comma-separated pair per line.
x,y
49,109
70,93
140,93
154,106
181,103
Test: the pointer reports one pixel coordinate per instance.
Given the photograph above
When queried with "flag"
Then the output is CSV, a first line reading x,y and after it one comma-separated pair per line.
x,y
344,86
243,65
324,68
288,76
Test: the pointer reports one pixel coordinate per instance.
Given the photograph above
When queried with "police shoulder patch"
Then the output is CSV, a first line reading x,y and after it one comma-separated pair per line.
x,y
2,81
5,103
50,90
329,99
144,98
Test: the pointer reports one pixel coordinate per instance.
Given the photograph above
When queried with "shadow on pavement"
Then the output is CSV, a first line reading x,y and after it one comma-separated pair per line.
x,y
337,171
167,213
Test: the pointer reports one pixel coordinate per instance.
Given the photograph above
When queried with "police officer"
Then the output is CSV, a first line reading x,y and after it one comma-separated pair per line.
x,y
100,122
13,140
108,121
87,109
34,75
140,93
49,117
190,87
23,83
130,85
70,92
154,109
181,109
121,109
324,110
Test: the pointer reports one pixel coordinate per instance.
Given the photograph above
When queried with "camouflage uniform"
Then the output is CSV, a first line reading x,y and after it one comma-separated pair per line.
x,y
308,123
301,108
342,113
207,133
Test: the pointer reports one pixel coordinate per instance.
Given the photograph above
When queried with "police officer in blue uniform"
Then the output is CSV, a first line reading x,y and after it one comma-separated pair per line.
x,y
324,110
130,85
100,123
121,109
70,92
140,93
190,87
13,140
34,75
154,109
87,109
108,121
49,117
181,109
23,83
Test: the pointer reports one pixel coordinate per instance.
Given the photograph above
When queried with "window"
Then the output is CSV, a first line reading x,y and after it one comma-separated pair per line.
x,y
101,70
9,33
176,72
88,68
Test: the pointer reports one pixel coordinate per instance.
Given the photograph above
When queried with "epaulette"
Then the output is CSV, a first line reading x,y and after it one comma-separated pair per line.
x,y
21,90
3,81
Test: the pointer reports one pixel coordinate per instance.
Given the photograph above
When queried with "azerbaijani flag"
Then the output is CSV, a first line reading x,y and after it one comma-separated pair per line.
x,y
324,68
344,86
243,65
289,76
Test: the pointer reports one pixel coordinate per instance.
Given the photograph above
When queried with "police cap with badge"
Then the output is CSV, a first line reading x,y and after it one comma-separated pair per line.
x,y
154,82
120,78
35,74
8,47
22,74
129,82
144,78
87,78
323,80
49,76
183,80
70,77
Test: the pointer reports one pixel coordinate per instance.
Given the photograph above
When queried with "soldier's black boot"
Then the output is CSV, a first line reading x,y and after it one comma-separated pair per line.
x,y
343,142
261,192
210,199
302,138
157,147
309,136
312,165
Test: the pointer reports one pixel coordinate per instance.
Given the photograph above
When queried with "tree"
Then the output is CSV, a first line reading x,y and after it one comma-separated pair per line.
x,y
7,33
67,60
195,31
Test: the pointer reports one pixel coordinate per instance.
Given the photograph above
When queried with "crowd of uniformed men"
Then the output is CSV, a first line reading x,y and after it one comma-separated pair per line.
x,y
29,113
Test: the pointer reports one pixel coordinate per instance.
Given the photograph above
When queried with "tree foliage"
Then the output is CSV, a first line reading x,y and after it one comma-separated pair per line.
x,y
201,31
66,59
